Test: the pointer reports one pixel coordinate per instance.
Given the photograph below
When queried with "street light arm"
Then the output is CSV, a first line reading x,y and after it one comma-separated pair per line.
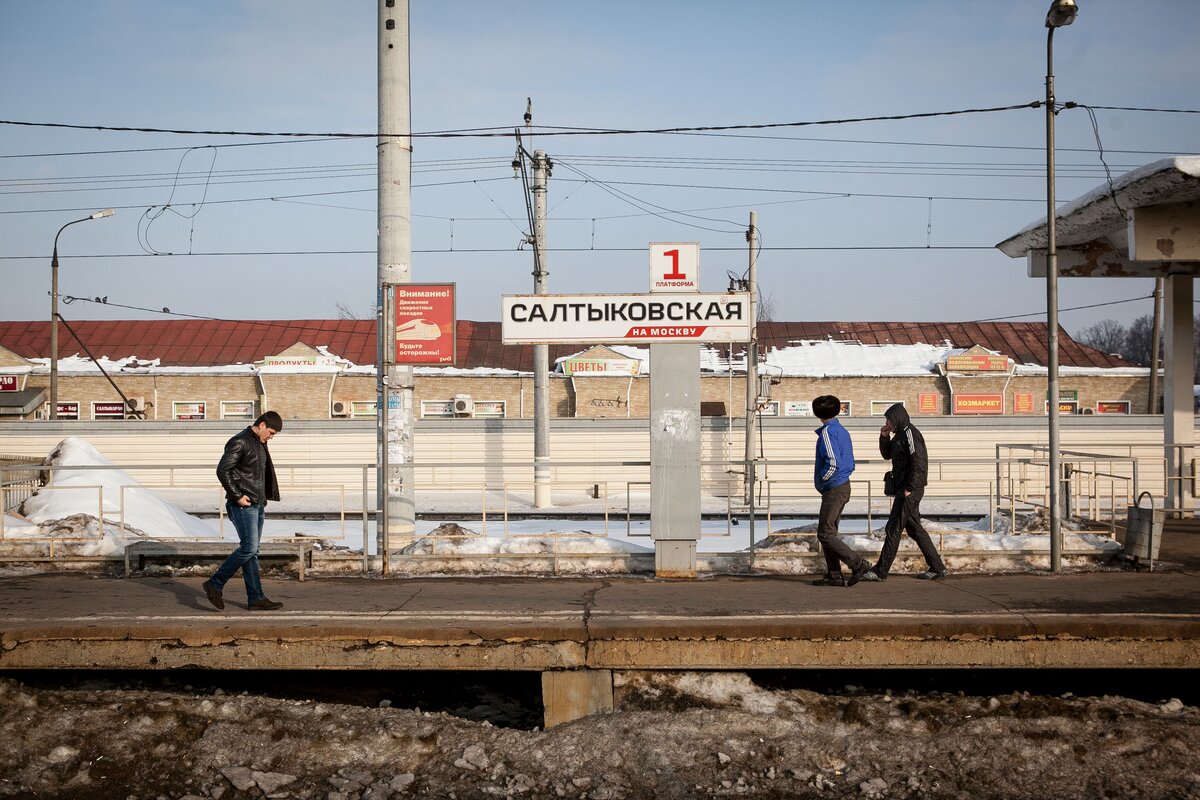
x,y
108,212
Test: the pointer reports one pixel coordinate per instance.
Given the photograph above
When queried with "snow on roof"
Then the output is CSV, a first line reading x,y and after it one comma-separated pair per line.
x,y
1093,214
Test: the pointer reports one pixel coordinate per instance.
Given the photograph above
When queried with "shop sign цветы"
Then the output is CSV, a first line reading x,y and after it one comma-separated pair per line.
x,y
640,318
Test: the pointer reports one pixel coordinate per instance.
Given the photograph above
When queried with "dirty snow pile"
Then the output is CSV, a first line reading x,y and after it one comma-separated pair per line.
x,y
68,507
672,735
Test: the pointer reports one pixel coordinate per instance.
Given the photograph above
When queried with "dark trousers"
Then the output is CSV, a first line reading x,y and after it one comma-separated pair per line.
x,y
906,516
830,516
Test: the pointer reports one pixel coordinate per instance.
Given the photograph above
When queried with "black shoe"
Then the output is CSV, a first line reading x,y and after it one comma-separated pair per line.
x,y
214,595
932,575
830,579
864,573
264,605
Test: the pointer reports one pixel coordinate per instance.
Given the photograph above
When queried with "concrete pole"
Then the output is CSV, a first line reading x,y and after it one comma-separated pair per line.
x,y
752,357
397,499
1054,511
541,352
1179,421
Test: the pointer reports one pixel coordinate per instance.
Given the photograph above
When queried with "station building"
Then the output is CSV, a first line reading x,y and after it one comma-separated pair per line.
x,y
187,370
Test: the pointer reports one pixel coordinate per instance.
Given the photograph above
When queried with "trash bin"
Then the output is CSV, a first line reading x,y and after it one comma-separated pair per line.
x,y
1143,530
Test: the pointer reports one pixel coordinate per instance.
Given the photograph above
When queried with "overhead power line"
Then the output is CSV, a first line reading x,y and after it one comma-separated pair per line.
x,y
501,131
506,131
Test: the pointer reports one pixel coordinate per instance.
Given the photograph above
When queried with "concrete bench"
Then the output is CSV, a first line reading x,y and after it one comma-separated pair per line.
x,y
190,549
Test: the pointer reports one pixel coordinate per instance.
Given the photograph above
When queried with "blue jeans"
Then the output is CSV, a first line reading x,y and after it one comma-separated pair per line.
x,y
248,521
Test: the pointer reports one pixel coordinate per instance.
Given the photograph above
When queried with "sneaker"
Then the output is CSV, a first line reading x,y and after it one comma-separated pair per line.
x,y
864,573
932,575
214,595
264,605
830,579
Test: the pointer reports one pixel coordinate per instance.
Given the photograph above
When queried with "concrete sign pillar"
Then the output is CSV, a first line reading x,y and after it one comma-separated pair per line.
x,y
1178,400
675,458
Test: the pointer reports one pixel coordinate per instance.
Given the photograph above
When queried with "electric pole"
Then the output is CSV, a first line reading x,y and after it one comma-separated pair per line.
x,y
751,357
541,352
394,406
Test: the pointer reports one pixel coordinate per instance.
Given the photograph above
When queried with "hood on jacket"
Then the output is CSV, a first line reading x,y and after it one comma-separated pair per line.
x,y
898,416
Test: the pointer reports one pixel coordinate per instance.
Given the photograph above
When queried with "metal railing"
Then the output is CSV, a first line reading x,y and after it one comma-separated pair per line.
x,y
1099,484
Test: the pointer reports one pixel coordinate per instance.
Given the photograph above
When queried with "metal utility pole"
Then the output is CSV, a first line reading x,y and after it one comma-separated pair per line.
x,y
752,357
541,352
1155,335
1062,12
396,495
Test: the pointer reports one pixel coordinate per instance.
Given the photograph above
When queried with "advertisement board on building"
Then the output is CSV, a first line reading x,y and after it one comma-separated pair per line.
x,y
362,408
636,318
8,383
190,410
977,362
108,411
489,409
929,403
237,409
424,323
437,408
1065,407
1023,403
1112,406
600,366
978,403
67,410
797,408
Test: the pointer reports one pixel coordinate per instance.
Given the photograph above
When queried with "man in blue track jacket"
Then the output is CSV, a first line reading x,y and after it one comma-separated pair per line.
x,y
835,463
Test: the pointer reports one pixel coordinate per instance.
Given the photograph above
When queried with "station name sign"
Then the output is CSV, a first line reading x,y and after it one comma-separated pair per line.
x,y
606,318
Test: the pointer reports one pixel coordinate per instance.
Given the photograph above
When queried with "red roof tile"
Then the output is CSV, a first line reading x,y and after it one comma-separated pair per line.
x,y
215,343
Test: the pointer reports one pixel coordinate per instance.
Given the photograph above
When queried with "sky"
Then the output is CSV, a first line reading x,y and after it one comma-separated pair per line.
x,y
859,221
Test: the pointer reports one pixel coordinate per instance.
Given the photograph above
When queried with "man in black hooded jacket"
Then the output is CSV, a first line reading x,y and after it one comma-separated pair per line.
x,y
900,441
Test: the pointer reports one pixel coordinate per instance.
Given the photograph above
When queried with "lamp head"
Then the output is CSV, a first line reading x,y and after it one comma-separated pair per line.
x,y
1062,12
108,212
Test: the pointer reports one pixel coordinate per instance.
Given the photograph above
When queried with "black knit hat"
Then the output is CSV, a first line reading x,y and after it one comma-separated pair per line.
x,y
826,406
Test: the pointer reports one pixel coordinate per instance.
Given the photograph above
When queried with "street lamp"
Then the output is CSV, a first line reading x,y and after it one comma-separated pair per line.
x,y
108,212
1062,12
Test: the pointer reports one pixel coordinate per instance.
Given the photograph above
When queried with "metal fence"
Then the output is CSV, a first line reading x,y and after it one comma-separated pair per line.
x,y
1098,487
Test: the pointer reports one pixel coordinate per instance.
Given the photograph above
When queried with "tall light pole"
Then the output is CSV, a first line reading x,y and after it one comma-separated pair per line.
x,y
108,212
1062,12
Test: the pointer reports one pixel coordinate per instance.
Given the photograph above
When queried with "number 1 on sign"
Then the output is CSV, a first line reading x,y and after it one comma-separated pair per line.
x,y
674,274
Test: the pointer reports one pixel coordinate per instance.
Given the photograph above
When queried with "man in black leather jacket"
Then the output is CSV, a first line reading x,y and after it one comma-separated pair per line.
x,y
900,441
248,477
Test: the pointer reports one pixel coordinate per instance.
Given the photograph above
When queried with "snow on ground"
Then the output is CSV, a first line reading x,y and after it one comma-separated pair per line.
x,y
67,509
672,736
89,488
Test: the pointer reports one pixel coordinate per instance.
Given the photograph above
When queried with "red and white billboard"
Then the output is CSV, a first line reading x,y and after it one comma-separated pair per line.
x,y
424,320
8,383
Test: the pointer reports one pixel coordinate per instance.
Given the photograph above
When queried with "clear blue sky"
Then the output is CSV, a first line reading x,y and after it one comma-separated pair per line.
x,y
269,65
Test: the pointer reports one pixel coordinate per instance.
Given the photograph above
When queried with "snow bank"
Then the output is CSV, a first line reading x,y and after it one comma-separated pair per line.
x,y
69,506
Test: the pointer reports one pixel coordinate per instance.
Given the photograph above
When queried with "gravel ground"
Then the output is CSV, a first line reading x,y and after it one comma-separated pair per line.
x,y
674,735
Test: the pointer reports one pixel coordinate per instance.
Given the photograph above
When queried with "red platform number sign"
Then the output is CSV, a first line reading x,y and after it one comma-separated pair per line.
x,y
675,267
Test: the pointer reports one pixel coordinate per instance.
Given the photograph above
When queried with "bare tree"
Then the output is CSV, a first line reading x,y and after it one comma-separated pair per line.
x,y
766,307
1138,340
346,312
1107,336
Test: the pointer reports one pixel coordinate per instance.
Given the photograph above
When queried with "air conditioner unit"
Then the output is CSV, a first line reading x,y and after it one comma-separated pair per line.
x,y
339,408
137,404
464,406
